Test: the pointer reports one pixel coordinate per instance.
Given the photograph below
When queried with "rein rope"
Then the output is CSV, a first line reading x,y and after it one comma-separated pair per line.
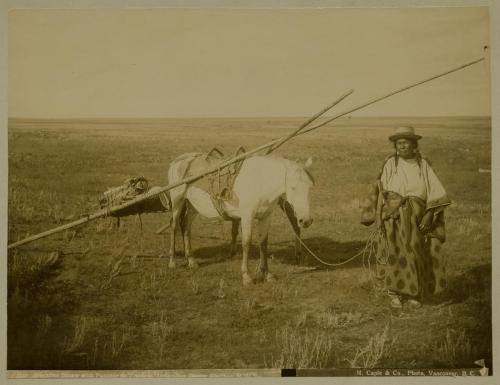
x,y
375,247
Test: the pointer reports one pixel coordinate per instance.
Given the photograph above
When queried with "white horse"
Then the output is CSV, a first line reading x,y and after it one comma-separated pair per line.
x,y
261,183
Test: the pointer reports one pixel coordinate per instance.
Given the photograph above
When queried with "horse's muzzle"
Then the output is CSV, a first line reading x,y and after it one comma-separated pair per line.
x,y
305,223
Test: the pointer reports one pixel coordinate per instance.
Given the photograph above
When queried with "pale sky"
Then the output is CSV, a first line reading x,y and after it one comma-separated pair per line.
x,y
244,63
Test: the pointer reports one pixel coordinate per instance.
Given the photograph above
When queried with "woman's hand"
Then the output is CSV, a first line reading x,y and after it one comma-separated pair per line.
x,y
426,222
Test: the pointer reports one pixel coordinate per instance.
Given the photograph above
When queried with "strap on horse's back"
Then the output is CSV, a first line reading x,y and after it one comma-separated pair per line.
x,y
219,184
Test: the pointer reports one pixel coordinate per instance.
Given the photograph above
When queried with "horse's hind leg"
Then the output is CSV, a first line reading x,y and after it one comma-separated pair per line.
x,y
177,209
235,227
263,270
186,222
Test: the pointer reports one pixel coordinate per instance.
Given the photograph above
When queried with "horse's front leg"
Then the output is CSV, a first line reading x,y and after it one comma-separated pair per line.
x,y
263,270
246,240
235,227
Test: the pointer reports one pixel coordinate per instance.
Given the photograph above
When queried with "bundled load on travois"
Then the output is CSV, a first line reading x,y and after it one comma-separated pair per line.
x,y
133,188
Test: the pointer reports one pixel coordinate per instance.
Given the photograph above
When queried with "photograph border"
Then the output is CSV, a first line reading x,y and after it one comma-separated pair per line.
x,y
217,376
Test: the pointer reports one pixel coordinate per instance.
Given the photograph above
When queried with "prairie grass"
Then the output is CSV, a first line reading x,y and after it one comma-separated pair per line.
x,y
118,341
332,319
194,283
27,205
468,226
43,326
300,348
302,319
95,353
102,226
44,298
220,291
151,286
372,355
161,330
455,349
472,208
247,307
115,267
21,206
75,342
283,290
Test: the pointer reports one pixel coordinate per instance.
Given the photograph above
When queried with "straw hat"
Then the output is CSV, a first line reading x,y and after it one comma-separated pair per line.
x,y
404,133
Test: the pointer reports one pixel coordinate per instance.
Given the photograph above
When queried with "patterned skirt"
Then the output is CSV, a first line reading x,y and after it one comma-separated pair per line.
x,y
414,265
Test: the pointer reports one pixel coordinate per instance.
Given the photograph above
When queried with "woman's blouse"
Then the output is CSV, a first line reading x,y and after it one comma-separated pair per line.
x,y
409,179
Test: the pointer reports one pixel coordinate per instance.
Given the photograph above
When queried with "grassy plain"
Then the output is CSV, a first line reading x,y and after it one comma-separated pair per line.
x,y
100,297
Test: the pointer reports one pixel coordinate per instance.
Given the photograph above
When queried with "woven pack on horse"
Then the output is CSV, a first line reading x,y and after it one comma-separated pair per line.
x,y
218,185
130,189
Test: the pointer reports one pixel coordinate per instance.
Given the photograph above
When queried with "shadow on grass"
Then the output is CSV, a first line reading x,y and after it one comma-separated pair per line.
x,y
472,288
35,299
472,283
325,248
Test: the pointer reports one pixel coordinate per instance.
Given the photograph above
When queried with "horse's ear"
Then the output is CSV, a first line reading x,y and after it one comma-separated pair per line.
x,y
309,162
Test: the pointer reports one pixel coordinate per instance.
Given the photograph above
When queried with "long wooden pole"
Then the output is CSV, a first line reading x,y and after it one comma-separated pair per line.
x,y
224,164
293,133
378,99
107,211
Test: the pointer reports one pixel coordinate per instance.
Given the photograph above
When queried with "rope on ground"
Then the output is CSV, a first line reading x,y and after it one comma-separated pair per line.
x,y
375,247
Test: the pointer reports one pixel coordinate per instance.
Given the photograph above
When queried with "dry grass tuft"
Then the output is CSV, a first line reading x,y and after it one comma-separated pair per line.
x,y
246,308
160,331
118,341
194,284
371,356
455,349
114,270
81,327
303,349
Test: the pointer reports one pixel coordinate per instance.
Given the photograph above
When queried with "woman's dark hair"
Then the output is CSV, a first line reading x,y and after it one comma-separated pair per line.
x,y
418,156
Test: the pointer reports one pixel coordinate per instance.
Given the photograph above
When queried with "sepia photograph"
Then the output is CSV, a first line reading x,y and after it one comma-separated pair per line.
x,y
244,191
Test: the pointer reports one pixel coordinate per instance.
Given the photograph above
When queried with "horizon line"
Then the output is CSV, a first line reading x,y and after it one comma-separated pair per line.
x,y
249,117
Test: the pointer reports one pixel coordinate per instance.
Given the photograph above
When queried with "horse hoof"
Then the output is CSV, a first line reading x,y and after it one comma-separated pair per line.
x,y
171,265
247,280
192,264
270,278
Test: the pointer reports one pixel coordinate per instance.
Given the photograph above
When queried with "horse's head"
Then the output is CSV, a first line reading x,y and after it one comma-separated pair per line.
x,y
298,183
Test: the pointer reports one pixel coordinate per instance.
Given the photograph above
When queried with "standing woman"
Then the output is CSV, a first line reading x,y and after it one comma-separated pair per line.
x,y
412,217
